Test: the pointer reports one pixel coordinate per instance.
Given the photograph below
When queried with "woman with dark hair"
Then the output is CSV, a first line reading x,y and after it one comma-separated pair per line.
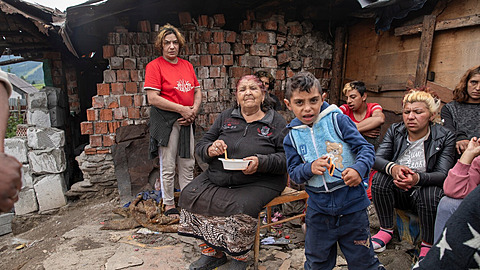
x,y
269,82
175,96
412,163
368,117
220,207
462,115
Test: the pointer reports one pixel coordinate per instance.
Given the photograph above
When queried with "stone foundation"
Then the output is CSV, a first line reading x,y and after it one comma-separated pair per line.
x,y
98,177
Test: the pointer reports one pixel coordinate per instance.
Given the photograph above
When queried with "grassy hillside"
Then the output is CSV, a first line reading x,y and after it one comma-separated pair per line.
x,y
30,71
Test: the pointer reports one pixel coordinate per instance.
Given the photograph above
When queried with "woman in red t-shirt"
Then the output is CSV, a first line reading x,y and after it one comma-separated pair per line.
x,y
175,95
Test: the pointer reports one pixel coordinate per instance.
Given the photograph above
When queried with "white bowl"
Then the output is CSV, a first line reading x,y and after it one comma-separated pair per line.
x,y
234,164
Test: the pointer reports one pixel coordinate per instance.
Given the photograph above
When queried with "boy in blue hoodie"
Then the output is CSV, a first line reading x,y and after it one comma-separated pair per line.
x,y
325,151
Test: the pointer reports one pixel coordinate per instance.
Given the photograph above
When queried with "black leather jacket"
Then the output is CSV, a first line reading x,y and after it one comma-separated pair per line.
x,y
439,152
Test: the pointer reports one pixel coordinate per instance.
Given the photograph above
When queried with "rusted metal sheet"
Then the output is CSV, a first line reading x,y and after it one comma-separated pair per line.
x,y
42,26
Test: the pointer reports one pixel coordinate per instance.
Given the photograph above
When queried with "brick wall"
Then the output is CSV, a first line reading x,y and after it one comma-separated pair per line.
x,y
60,74
220,57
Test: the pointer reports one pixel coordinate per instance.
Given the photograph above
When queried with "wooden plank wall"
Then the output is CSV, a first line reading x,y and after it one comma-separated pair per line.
x,y
386,62
456,50
381,61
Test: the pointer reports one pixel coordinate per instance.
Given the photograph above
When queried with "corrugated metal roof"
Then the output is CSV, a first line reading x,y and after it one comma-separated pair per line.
x,y
20,85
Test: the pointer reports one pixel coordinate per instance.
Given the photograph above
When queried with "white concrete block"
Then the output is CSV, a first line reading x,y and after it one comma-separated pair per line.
x,y
5,228
6,218
17,147
57,116
27,202
6,223
37,100
45,138
50,190
55,97
27,179
47,161
39,118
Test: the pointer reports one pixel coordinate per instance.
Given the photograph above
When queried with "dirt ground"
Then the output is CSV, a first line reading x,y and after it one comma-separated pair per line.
x,y
40,234
70,238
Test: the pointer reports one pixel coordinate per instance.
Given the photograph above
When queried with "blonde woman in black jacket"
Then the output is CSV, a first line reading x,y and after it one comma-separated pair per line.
x,y
412,162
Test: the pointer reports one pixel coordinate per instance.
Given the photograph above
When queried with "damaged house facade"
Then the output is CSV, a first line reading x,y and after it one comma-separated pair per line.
x,y
96,55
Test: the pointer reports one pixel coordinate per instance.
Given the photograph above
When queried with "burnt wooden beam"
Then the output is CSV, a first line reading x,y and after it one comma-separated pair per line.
x,y
337,64
425,53
18,35
23,46
30,28
472,20
12,61
19,60
24,51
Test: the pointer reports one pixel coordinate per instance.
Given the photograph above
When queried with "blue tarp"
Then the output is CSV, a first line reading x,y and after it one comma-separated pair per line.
x,y
388,10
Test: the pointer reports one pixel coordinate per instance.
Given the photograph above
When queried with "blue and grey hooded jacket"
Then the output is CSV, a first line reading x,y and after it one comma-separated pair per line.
x,y
333,134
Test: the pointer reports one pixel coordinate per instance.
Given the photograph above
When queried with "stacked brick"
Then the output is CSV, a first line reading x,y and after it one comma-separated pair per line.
x,y
284,48
120,100
220,57
270,44
210,50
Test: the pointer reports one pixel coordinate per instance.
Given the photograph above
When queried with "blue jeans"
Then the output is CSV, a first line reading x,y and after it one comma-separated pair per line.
x,y
351,232
445,209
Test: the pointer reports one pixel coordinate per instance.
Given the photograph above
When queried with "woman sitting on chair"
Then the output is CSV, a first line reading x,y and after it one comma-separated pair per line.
x,y
220,207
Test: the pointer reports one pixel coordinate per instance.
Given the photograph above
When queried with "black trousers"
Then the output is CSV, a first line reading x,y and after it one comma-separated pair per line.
x,y
421,200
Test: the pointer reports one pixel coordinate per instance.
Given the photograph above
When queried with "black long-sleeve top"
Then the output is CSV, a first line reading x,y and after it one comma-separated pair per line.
x,y
262,138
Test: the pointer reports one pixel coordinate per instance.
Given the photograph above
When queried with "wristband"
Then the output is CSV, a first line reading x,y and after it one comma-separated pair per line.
x,y
389,167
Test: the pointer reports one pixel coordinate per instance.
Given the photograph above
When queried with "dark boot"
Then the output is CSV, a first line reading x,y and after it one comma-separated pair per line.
x,y
207,262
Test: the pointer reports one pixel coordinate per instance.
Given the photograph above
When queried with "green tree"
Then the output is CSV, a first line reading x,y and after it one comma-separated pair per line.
x,y
14,120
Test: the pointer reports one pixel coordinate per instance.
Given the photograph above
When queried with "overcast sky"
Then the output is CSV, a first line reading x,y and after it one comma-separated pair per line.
x,y
60,4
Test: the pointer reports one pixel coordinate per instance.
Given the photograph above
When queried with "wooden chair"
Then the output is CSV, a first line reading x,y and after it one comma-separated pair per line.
x,y
288,195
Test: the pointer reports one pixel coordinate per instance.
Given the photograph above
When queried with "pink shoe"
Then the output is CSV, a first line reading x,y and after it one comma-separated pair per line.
x,y
424,249
381,239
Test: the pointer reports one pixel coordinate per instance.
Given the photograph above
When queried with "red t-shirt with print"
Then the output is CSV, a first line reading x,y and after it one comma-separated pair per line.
x,y
370,108
176,82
